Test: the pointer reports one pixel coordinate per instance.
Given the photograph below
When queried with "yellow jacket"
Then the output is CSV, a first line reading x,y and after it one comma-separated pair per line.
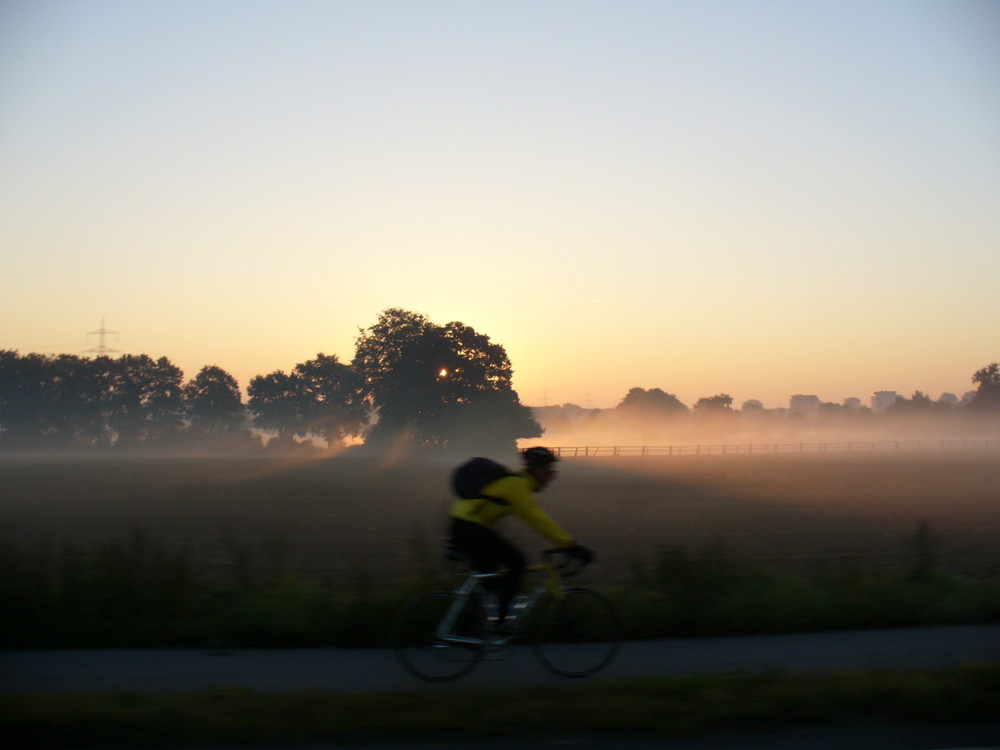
x,y
517,493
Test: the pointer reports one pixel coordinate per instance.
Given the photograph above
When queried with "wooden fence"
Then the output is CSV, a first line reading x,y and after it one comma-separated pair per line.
x,y
760,449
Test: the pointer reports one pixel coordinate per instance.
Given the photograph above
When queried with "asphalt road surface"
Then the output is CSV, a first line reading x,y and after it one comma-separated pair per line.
x,y
372,670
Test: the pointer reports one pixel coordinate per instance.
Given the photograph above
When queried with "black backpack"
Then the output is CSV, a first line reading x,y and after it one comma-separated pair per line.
x,y
468,480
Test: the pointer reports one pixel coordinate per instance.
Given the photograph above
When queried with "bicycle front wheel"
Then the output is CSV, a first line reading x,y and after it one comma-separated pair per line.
x,y
439,637
575,634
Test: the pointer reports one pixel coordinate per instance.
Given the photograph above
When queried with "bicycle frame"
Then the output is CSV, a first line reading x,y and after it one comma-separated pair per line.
x,y
472,585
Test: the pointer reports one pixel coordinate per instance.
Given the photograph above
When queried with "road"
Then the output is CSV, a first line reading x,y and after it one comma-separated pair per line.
x,y
372,670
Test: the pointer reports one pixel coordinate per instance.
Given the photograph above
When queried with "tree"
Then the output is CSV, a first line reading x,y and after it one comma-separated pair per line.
x,y
715,414
26,398
719,404
142,398
920,403
330,398
654,401
987,396
276,404
321,397
213,403
403,363
77,401
49,401
650,413
433,384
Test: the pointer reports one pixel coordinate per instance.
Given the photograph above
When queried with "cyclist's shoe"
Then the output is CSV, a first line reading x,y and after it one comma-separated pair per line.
x,y
491,608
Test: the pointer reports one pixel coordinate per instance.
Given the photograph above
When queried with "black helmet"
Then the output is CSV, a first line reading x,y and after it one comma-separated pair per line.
x,y
538,457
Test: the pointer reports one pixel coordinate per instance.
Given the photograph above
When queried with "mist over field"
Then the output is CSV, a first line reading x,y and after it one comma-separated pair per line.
x,y
336,518
574,426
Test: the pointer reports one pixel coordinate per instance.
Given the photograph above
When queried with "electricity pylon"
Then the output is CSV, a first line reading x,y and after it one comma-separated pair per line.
x,y
101,350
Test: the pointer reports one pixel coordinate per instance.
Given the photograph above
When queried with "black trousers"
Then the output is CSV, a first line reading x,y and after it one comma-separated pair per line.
x,y
489,552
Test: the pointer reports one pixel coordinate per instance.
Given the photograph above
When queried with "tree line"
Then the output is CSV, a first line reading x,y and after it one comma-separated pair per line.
x,y
411,382
654,414
986,398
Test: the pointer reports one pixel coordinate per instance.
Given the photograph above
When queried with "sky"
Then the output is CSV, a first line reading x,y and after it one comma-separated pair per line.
x,y
759,199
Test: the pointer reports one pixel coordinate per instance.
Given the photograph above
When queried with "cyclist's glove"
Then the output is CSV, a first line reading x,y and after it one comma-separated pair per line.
x,y
584,554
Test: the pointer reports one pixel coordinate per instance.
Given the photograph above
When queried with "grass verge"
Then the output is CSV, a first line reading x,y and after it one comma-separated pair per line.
x,y
652,707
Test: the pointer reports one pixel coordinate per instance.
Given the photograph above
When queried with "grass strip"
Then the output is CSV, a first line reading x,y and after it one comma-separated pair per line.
x,y
651,707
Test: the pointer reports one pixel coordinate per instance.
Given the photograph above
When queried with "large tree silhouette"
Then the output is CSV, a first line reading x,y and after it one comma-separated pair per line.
x,y
439,385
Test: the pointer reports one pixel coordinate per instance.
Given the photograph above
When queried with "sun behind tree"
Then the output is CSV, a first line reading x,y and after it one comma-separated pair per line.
x,y
439,385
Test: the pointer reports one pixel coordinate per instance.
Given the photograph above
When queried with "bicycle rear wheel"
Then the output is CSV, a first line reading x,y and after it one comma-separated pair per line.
x,y
577,634
427,648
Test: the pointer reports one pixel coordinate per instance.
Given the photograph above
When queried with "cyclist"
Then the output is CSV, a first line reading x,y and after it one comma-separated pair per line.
x,y
473,521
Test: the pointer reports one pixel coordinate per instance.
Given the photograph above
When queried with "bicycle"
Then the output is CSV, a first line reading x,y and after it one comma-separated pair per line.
x,y
574,632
